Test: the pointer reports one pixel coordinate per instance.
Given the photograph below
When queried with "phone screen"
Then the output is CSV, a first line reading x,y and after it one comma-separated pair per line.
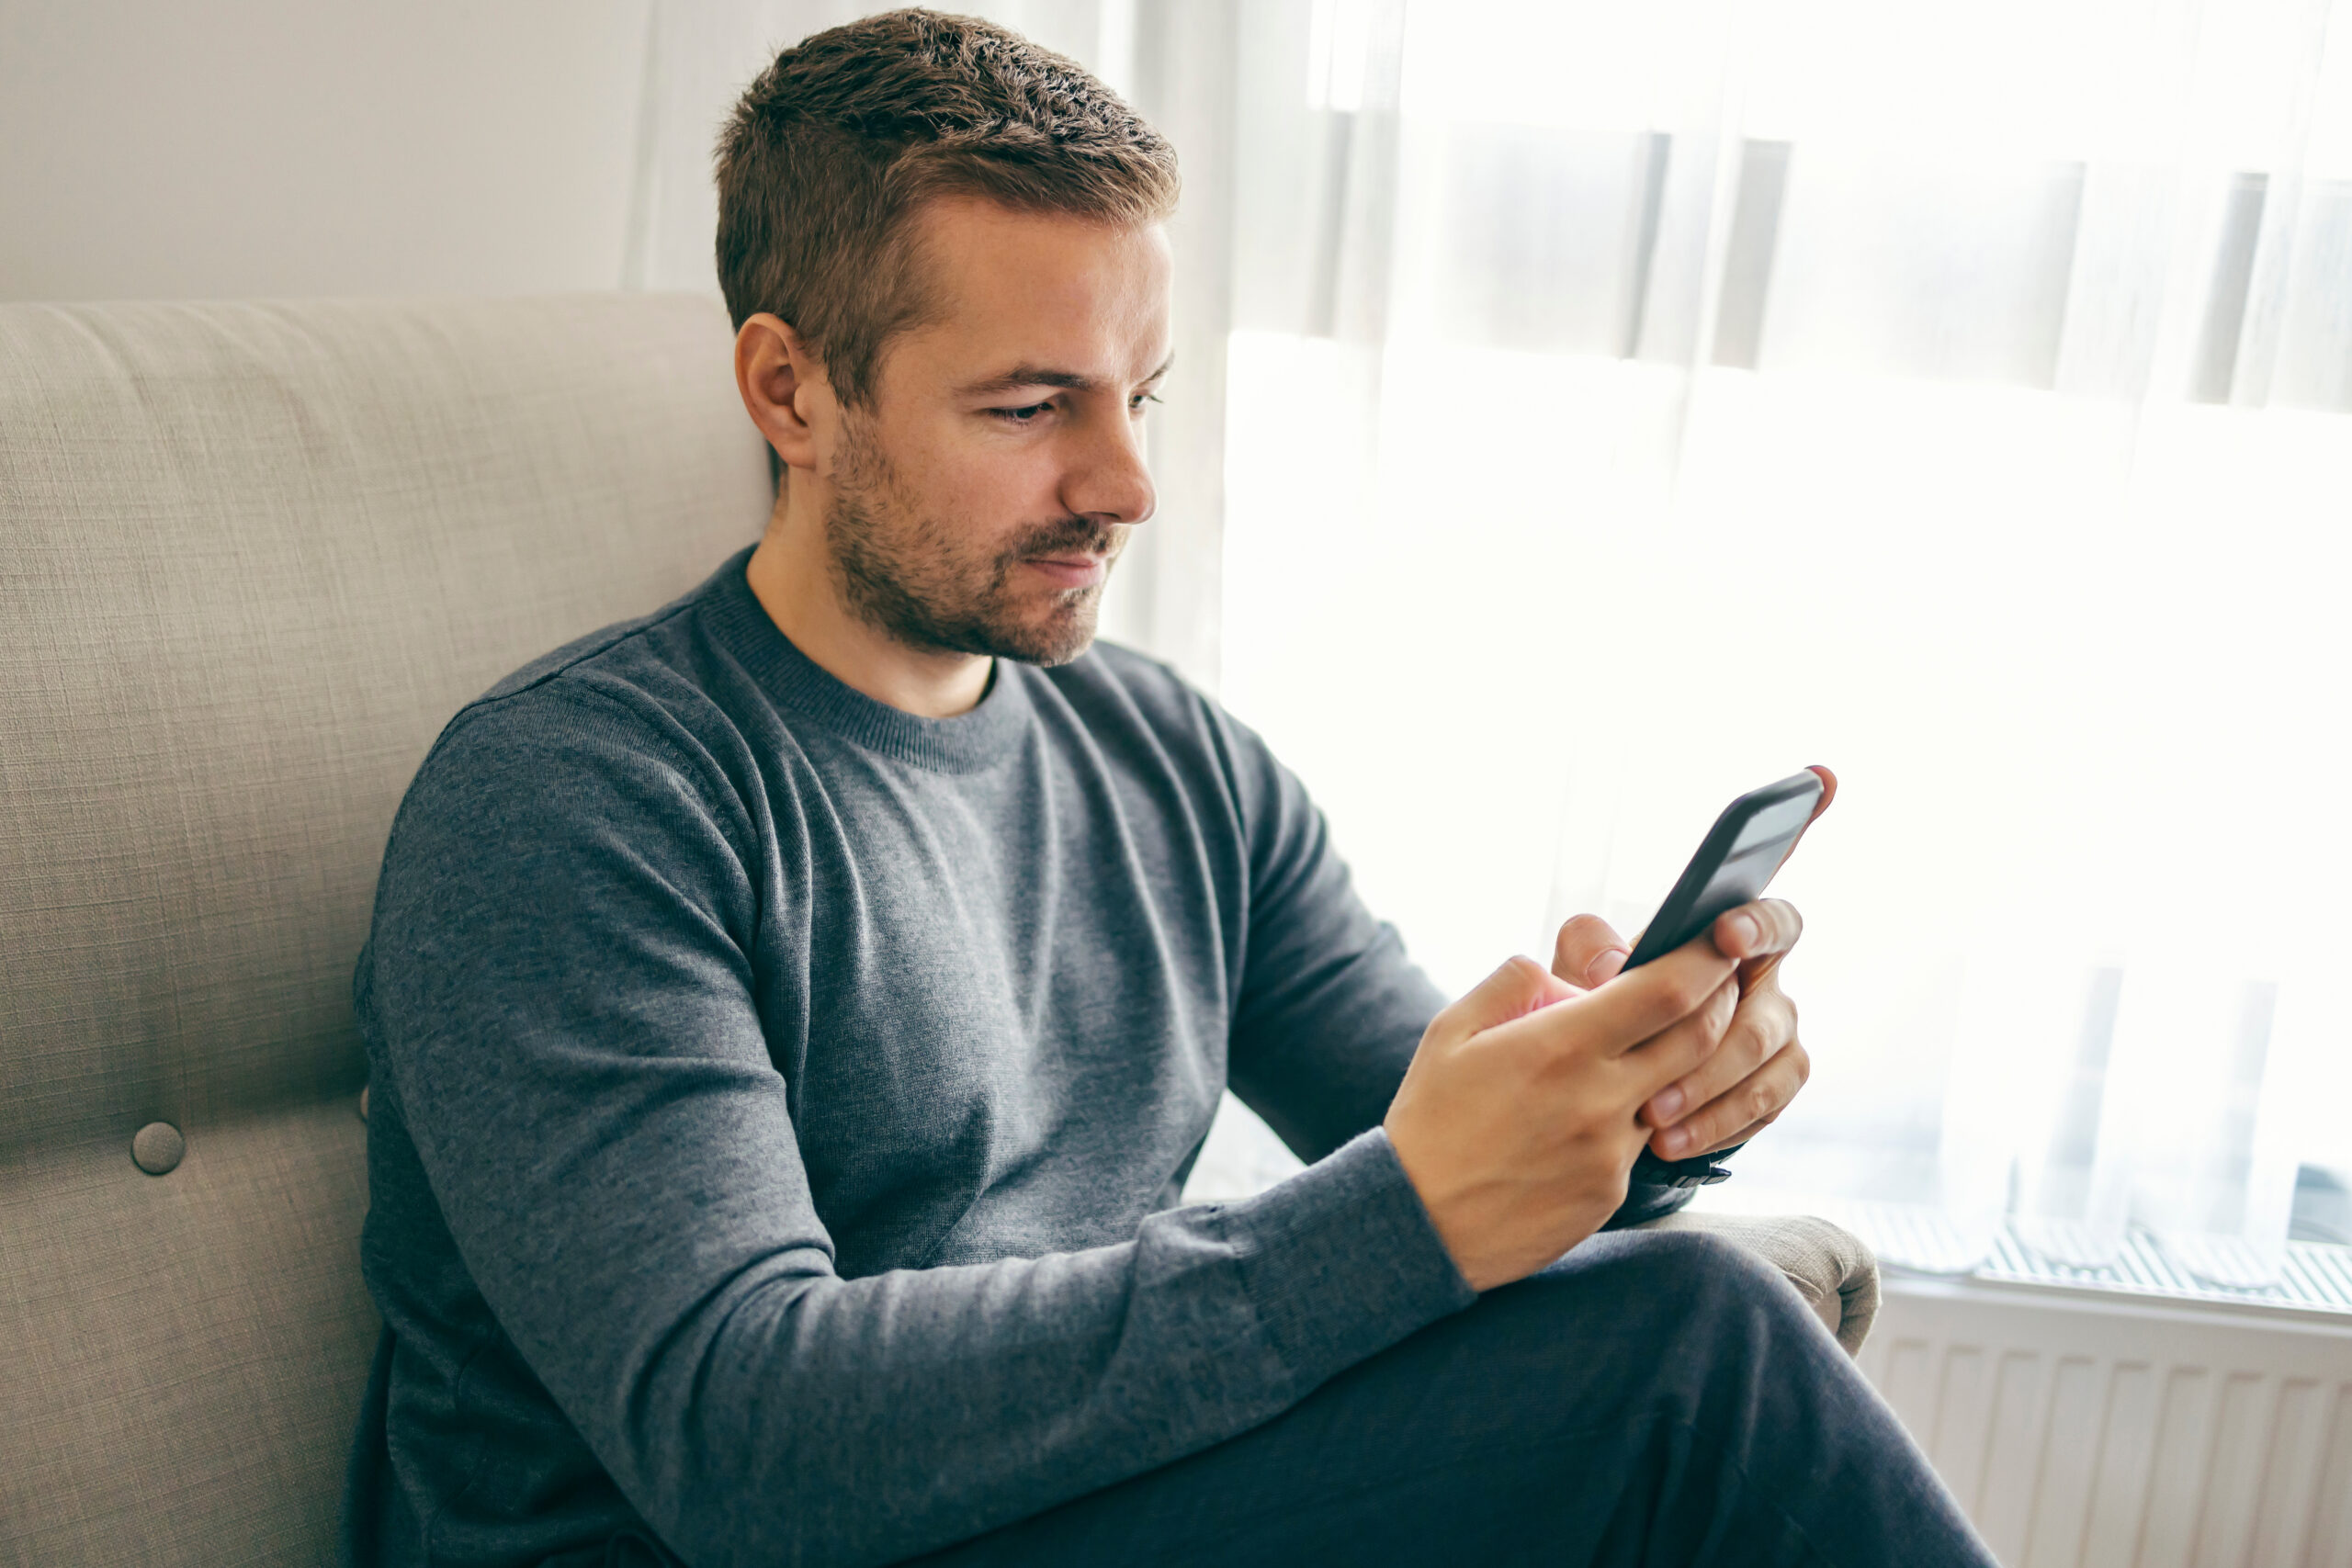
x,y
1735,864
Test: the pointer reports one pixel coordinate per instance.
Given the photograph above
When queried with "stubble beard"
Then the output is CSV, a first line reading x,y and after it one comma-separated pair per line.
x,y
909,576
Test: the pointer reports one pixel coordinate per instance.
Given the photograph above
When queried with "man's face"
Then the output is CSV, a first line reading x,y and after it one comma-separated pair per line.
x,y
977,505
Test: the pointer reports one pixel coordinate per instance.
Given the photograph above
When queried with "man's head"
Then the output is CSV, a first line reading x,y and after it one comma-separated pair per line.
x,y
941,247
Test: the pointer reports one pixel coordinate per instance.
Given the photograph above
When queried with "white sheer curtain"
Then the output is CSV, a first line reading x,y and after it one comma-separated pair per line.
x,y
1586,412
1630,404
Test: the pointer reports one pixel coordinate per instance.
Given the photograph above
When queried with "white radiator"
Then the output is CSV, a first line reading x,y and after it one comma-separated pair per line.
x,y
2116,1434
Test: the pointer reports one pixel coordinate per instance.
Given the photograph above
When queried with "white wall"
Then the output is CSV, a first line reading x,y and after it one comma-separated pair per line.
x,y
216,149
179,149
227,149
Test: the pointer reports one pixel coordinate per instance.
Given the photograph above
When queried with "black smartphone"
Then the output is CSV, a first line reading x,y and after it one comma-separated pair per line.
x,y
1735,864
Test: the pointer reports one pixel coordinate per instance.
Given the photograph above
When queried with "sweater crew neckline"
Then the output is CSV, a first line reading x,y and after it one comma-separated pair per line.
x,y
965,743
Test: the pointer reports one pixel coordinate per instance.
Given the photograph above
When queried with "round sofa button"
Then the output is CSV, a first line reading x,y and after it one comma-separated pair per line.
x,y
157,1148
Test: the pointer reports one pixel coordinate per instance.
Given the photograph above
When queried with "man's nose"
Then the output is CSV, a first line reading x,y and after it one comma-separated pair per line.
x,y
1108,479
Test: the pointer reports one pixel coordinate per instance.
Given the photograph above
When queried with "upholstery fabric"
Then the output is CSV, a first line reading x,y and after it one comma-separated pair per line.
x,y
184,1354
255,556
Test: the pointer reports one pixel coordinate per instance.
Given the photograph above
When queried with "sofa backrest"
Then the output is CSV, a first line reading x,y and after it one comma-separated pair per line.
x,y
252,557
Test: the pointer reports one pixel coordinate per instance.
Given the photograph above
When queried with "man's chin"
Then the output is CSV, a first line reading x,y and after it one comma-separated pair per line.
x,y
1056,637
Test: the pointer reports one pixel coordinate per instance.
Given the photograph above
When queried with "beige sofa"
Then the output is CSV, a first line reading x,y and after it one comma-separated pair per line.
x,y
250,558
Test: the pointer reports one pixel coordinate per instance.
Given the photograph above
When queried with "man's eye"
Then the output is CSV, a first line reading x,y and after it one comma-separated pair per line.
x,y
1135,404
1021,415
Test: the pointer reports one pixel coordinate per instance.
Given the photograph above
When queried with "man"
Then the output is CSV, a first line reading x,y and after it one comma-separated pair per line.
x,y
793,1015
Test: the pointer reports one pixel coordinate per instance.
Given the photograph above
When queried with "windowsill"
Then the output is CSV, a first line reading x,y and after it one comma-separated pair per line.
x,y
2315,1282
1975,1291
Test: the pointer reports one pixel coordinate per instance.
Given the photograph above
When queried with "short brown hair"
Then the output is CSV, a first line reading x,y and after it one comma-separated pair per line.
x,y
839,142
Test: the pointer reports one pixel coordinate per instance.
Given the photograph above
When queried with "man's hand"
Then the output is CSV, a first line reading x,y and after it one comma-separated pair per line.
x,y
1745,1086
1519,1115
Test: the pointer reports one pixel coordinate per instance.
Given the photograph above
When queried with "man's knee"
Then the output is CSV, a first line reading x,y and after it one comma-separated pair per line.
x,y
1670,1260
1629,1318
1688,1290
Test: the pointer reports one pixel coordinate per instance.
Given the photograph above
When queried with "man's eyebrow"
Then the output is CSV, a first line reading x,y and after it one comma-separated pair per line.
x,y
1022,375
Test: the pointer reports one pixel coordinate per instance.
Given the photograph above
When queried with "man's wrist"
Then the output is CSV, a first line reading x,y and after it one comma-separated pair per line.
x,y
1342,1259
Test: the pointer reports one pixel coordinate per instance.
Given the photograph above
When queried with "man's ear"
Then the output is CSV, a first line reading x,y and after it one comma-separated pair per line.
x,y
783,390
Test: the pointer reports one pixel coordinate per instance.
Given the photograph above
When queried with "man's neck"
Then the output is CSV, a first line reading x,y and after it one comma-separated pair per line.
x,y
792,576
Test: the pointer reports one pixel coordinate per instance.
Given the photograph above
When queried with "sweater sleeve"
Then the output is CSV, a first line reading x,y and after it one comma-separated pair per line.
x,y
1331,1009
558,988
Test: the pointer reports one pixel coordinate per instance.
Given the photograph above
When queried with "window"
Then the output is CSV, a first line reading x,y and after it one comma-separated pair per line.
x,y
1628,406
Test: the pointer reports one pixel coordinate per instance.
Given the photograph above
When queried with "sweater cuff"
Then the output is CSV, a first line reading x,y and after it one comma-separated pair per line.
x,y
1342,1260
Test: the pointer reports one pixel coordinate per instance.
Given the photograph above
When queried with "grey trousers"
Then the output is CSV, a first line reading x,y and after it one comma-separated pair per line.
x,y
1654,1398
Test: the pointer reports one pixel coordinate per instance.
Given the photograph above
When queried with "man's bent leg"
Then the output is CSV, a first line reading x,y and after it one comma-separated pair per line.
x,y
1654,1398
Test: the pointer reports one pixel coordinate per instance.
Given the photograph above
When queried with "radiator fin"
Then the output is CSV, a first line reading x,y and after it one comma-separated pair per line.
x,y
2103,1435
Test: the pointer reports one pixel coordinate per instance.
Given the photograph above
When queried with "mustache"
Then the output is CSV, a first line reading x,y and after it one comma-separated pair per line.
x,y
1071,536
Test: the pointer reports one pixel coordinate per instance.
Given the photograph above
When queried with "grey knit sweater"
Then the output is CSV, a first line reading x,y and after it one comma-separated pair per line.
x,y
780,1102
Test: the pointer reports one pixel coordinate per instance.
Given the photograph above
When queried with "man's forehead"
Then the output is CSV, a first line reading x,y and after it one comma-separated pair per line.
x,y
1015,292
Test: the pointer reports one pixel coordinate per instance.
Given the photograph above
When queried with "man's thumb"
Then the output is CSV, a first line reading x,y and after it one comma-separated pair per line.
x,y
1515,989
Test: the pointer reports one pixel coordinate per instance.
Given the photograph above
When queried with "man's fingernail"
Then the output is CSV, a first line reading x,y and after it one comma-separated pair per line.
x,y
1746,932
1666,1104
1677,1139
1604,965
